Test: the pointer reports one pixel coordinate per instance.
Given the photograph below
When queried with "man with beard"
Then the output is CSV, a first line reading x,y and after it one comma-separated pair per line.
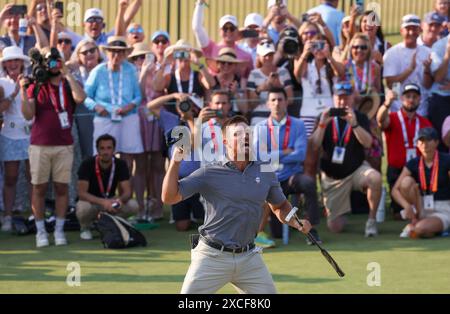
x,y
401,129
408,62
234,191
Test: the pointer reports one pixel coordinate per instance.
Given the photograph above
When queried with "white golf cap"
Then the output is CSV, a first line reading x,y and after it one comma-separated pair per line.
x,y
228,19
264,48
410,20
271,3
254,19
93,12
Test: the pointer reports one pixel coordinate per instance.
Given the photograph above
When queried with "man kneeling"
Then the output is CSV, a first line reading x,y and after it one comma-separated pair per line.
x,y
98,178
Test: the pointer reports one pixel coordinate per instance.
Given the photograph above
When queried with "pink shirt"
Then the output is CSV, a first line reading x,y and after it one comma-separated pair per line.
x,y
212,51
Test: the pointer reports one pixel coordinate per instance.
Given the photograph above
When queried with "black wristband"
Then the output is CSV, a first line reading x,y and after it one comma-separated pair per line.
x,y
356,126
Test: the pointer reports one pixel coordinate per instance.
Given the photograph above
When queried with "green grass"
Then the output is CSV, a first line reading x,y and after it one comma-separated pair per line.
x,y
407,266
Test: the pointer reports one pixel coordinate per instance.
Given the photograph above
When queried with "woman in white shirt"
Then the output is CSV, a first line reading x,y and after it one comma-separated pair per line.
x,y
315,69
261,79
15,134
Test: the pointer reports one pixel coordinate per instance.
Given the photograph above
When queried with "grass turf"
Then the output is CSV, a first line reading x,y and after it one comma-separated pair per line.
x,y
407,266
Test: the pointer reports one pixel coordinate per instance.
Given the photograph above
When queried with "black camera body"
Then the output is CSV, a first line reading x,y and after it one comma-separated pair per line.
x,y
289,42
40,65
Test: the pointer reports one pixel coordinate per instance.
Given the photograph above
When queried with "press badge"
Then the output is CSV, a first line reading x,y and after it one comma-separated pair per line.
x,y
338,155
411,153
428,202
115,117
64,120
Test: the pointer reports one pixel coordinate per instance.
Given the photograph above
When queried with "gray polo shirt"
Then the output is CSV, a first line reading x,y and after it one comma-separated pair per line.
x,y
234,200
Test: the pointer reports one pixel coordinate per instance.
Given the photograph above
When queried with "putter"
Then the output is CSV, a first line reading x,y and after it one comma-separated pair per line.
x,y
293,214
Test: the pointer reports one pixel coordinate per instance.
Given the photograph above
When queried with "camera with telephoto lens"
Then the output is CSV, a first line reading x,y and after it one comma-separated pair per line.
x,y
289,41
41,65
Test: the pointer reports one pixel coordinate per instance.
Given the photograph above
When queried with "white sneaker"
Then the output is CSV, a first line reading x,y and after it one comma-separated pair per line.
x,y
60,238
41,239
86,234
371,228
7,224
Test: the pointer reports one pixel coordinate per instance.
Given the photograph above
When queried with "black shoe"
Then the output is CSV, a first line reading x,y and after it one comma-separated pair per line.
x,y
315,235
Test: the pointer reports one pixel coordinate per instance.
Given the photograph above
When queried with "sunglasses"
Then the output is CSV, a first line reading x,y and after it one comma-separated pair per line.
x,y
66,41
310,33
229,29
181,55
319,86
360,47
224,63
160,41
136,58
117,52
347,87
138,30
97,20
41,7
89,51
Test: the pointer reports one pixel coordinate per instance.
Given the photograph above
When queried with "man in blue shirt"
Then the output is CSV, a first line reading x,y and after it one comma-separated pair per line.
x,y
283,139
331,16
438,108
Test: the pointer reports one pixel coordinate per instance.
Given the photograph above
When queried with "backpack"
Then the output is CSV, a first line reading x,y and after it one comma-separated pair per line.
x,y
117,233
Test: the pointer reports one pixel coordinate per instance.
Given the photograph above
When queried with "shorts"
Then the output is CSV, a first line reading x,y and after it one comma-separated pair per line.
x,y
337,193
51,160
442,212
183,209
13,150
126,132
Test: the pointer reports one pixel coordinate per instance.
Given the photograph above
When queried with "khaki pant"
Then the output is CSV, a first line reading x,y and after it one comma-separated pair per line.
x,y
212,269
87,213
50,160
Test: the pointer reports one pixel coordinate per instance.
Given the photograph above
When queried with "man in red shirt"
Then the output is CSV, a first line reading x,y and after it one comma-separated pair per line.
x,y
401,129
51,105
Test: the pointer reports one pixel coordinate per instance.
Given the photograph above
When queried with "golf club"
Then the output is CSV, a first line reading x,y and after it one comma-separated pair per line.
x,y
292,214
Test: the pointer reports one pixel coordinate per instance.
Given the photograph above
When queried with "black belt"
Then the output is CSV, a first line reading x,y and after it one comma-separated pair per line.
x,y
221,247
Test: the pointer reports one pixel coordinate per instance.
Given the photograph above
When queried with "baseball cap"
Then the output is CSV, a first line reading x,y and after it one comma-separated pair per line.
x,y
228,19
411,87
271,3
254,19
343,88
264,48
93,12
160,33
433,17
428,134
410,20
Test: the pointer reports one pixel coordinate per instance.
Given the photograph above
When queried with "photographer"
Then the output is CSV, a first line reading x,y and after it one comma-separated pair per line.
x,y
181,212
343,134
275,21
98,179
51,103
10,19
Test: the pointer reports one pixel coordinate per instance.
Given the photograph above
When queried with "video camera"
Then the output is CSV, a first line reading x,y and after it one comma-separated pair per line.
x,y
289,41
41,65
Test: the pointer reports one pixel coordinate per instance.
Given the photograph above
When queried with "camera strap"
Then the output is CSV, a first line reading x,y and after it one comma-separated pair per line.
x,y
99,177
115,102
339,138
191,82
213,135
405,131
273,140
62,99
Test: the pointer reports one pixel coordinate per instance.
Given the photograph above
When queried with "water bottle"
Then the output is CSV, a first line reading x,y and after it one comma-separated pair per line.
x,y
381,207
23,25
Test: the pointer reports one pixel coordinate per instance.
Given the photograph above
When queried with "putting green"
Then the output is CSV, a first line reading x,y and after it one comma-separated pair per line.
x,y
406,266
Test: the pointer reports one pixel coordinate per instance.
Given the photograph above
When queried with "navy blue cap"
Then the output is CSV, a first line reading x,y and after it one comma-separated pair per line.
x,y
411,87
433,17
428,134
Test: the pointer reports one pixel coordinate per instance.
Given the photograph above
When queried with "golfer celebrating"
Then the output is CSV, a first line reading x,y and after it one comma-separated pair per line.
x,y
235,192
